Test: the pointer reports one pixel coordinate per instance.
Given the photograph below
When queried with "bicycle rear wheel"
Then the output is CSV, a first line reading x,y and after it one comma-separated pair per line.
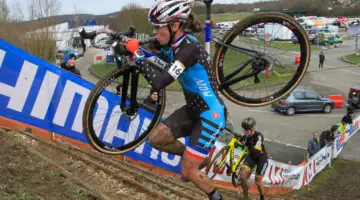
x,y
114,126
218,162
254,63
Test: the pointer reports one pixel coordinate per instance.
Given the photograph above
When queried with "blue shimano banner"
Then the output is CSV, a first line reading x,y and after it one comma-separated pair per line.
x,y
35,92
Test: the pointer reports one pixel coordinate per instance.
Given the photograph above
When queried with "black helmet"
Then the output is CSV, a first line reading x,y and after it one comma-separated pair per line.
x,y
132,28
248,123
346,119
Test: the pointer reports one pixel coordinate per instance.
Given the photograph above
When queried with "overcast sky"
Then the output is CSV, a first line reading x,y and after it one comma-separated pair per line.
x,y
98,7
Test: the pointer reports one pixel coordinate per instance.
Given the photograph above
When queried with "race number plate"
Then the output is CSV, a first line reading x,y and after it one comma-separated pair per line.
x,y
176,69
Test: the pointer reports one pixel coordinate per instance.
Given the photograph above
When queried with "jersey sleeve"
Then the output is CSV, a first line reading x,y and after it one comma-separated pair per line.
x,y
157,77
161,74
259,143
257,150
187,54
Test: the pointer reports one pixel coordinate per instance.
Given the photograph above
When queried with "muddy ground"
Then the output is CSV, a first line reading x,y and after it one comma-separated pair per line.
x,y
35,170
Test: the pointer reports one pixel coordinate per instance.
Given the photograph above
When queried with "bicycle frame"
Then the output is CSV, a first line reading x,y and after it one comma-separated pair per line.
x,y
233,165
232,144
208,36
134,74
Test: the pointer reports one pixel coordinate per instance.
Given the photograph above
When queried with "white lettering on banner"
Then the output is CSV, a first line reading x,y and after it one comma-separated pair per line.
x,y
115,116
140,149
45,95
99,119
2,56
173,162
154,153
66,100
18,94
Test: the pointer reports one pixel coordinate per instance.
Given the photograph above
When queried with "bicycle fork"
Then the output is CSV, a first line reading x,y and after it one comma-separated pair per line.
x,y
130,110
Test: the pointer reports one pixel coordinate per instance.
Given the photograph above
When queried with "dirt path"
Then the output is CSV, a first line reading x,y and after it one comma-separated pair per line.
x,y
32,169
78,174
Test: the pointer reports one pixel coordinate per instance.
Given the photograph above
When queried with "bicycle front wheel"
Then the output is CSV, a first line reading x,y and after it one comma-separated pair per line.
x,y
261,59
235,174
218,162
113,125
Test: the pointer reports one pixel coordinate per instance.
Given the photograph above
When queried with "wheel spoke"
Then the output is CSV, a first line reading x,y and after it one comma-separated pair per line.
x,y
261,79
119,124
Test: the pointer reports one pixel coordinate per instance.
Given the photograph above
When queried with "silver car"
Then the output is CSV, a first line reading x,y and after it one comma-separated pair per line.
x,y
301,100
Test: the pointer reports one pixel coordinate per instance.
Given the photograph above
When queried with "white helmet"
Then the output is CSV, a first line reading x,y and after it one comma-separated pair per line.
x,y
164,11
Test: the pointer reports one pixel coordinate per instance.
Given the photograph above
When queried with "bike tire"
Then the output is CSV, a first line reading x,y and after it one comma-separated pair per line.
x,y
90,106
231,35
225,149
234,175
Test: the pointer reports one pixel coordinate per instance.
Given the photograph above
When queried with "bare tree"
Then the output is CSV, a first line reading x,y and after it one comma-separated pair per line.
x,y
17,12
78,11
4,10
39,9
34,36
132,14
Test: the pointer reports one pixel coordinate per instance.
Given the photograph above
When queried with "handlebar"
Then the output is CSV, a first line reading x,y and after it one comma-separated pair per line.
x,y
147,41
113,37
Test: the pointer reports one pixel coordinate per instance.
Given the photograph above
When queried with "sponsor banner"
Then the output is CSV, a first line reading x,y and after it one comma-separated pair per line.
x,y
309,171
342,137
339,144
354,127
323,158
283,175
35,92
316,164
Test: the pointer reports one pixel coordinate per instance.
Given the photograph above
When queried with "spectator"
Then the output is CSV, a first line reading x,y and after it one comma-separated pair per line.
x,y
333,130
350,114
151,100
69,64
350,109
326,137
314,144
347,119
341,127
322,59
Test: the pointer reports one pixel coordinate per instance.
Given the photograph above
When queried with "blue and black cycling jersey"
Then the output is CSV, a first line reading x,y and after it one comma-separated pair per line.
x,y
189,63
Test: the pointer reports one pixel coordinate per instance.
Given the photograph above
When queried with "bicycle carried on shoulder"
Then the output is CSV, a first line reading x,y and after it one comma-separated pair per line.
x,y
247,63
